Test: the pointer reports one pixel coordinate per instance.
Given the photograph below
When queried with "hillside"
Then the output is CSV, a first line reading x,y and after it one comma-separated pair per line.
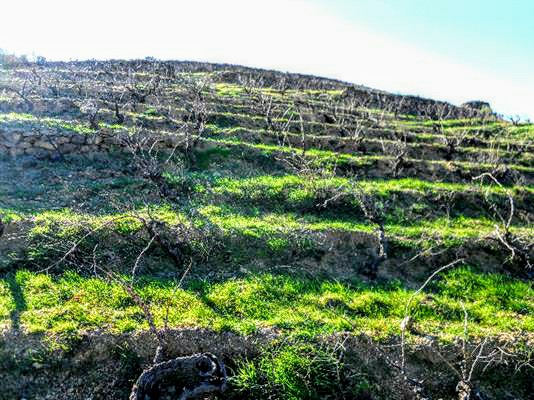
x,y
243,233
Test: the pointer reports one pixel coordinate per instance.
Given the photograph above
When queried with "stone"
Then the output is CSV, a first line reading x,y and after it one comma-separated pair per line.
x,y
62,139
12,139
24,145
10,144
78,139
67,148
14,152
37,153
44,145
94,139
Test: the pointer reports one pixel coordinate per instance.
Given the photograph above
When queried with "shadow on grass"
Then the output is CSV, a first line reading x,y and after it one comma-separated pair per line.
x,y
20,302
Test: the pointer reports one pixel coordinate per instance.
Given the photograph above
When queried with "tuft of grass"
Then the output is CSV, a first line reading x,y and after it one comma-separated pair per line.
x,y
227,89
8,215
292,371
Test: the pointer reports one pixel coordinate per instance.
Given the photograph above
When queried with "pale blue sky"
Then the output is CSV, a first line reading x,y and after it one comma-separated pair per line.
x,y
447,49
496,35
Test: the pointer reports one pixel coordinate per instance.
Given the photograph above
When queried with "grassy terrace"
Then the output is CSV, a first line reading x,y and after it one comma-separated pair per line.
x,y
30,122
242,136
420,146
331,159
273,229
267,205
247,123
72,304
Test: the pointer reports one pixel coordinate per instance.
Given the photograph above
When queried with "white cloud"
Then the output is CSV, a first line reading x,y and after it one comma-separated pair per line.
x,y
289,35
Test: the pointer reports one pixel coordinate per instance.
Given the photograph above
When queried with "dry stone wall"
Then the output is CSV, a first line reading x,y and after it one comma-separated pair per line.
x,y
49,143
42,143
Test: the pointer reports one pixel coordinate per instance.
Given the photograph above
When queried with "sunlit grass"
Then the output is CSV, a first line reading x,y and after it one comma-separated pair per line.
x,y
74,304
21,120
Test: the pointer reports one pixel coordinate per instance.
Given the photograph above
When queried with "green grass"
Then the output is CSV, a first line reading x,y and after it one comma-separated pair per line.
x,y
296,371
8,216
288,187
226,89
67,224
447,231
451,123
331,160
525,131
29,121
249,232
72,304
326,158
274,230
497,129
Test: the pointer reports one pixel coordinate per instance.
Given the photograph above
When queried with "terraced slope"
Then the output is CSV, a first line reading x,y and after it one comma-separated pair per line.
x,y
321,239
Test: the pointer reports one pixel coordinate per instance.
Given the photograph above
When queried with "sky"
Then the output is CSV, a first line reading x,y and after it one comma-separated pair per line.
x,y
453,50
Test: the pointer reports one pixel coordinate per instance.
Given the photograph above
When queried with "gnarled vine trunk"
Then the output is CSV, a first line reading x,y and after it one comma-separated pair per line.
x,y
181,378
